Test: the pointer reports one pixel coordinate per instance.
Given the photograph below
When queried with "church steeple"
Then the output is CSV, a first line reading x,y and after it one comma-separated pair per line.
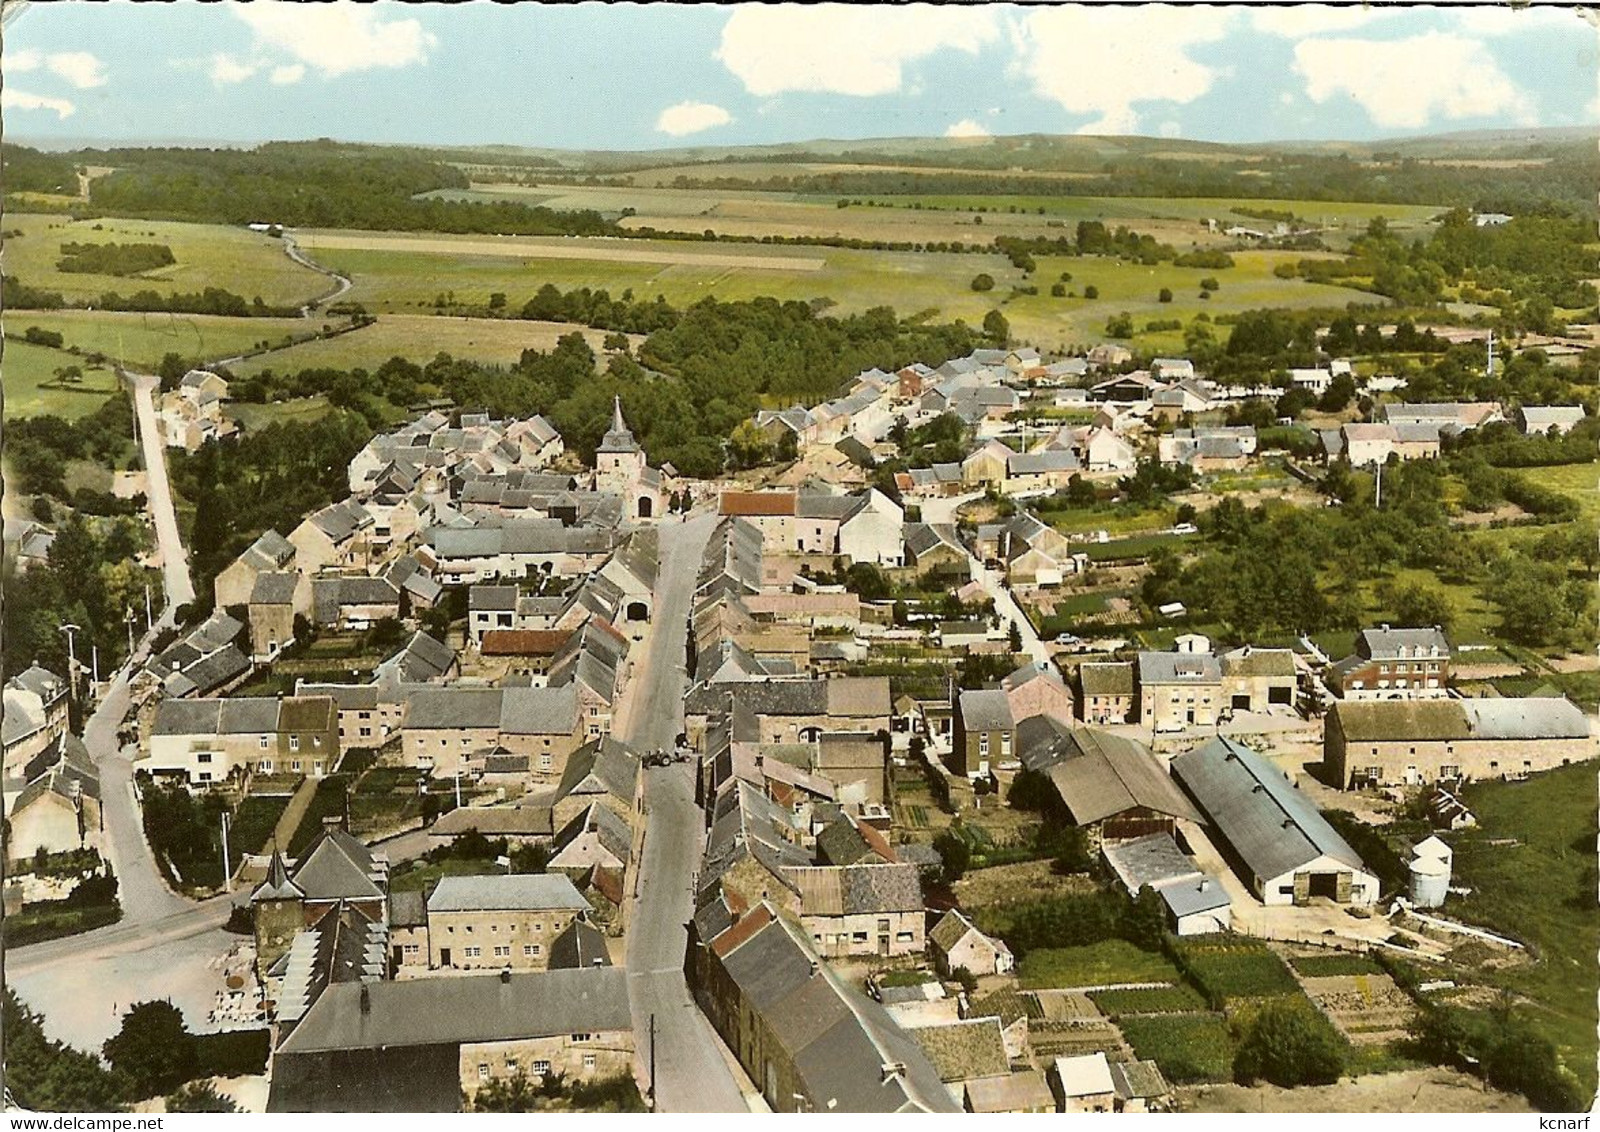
x,y
277,886
619,437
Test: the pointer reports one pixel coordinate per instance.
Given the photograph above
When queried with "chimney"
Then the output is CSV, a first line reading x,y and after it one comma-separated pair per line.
x,y
333,821
366,999
814,968
1205,885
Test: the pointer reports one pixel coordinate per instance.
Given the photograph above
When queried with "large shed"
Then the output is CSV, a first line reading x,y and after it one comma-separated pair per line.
x,y
1273,835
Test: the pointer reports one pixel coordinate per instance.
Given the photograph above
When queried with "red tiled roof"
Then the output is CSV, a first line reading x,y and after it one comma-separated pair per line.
x,y
757,503
742,930
524,642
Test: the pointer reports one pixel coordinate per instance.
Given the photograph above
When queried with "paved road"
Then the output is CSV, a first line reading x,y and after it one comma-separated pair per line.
x,y
174,558
692,1071
341,284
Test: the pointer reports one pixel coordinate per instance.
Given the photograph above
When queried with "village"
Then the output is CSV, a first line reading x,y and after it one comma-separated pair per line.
x,y
449,717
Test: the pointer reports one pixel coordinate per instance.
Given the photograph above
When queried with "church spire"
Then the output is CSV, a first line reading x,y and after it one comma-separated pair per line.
x,y
617,423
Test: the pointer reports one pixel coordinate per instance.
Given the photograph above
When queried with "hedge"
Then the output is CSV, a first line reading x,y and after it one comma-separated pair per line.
x,y
233,1053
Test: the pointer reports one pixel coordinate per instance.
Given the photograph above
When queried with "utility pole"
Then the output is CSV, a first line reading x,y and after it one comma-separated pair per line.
x,y
72,657
652,1063
458,787
1377,498
149,622
128,621
96,655
227,873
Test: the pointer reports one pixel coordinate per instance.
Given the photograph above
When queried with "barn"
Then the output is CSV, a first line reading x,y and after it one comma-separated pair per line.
x,y
1272,834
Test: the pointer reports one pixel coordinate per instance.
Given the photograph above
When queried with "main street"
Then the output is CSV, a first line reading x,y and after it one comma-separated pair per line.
x,y
174,559
692,1071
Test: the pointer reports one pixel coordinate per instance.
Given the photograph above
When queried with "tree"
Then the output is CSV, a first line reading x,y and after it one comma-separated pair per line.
x,y
956,854
1147,919
1164,295
1119,326
199,1096
1091,292
867,582
497,300
748,445
996,327
1210,283
1340,392
1418,603
983,282
1289,1043
1058,290
154,1048
1014,638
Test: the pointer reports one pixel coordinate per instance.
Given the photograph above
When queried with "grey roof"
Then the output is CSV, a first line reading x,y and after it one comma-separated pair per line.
x,y
269,551
605,765
856,889
986,710
838,1040
1526,717
1179,668
613,833
348,697
1271,825
1186,897
1384,643
1152,860
408,909
248,715
188,717
274,589
468,1008
580,944
539,711
433,709
338,867
492,598
494,893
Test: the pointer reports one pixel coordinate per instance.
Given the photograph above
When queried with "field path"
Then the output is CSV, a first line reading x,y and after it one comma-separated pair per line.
x,y
599,249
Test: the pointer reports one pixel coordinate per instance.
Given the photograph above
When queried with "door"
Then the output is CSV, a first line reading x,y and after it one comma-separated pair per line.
x,y
883,946
444,957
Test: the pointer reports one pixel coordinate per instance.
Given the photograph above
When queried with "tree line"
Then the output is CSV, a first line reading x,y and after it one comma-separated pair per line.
x,y
113,259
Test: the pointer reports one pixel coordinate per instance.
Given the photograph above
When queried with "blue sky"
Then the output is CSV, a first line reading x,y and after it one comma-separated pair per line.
x,y
630,76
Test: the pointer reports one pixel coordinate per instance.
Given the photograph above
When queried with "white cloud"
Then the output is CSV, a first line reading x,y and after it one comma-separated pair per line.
x,y
1104,60
226,70
286,76
691,118
1171,130
16,62
966,128
844,49
1499,19
337,38
79,68
1300,20
13,99
1409,83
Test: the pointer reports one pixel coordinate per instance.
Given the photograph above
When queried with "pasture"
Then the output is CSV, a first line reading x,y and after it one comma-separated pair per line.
x,y
30,383
420,338
395,273
140,339
208,255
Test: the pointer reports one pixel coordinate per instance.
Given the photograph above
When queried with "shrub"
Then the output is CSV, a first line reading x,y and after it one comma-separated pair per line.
x,y
983,282
1290,1043
199,1096
233,1053
1164,295
1091,292
154,1048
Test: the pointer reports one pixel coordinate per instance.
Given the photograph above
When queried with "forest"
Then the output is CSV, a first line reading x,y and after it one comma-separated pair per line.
x,y
113,259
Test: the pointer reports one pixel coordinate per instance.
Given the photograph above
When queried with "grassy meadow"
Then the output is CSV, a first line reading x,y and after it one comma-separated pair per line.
x,y
30,383
208,255
140,339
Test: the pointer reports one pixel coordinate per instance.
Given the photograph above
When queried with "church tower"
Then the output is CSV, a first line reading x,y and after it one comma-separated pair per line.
x,y
619,461
279,909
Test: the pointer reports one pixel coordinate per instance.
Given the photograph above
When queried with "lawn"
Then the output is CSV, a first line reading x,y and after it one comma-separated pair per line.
x,y
301,409
208,255
1099,964
1580,481
420,338
140,339
30,388
422,877
1137,547
1189,1048
1117,521
1541,891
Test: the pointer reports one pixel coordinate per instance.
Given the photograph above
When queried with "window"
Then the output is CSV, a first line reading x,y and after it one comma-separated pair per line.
x,y
1449,772
541,1068
546,761
204,776
294,742
502,951
264,766
581,1037
983,744
858,937
366,732
316,740
261,741
413,949
528,949
511,1065
295,765
588,1061
1005,742
483,1071
203,756
472,952
535,950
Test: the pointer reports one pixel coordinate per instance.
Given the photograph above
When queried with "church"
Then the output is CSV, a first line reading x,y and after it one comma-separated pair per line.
x,y
620,469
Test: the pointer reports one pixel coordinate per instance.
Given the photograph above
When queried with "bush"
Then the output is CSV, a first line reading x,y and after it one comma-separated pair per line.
x,y
983,282
1290,1043
233,1053
1164,295
1091,292
199,1096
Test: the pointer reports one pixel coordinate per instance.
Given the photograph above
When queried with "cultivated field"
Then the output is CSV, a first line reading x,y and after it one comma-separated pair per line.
x,y
602,249
208,255
420,338
141,339
28,369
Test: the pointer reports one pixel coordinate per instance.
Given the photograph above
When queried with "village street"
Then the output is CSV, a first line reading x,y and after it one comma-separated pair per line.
x,y
692,1073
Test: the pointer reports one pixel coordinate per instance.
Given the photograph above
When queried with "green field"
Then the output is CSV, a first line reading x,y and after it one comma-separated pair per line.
x,y
26,369
1098,964
421,337
1124,210
398,274
208,255
1227,969
140,339
1581,481
1539,889
1178,999
1189,1048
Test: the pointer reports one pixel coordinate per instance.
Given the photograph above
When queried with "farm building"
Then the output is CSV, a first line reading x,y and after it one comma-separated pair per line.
x,y
1196,901
1272,834
1416,742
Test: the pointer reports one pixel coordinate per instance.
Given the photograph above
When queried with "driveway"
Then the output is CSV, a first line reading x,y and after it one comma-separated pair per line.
x,y
694,1072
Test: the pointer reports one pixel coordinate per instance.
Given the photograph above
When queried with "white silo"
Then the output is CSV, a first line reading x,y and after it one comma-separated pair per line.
x,y
1430,872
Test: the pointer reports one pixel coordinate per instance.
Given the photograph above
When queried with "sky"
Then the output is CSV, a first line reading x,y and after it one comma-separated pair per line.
x,y
646,76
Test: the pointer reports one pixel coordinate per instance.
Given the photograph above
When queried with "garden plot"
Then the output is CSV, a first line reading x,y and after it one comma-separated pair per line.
x,y
1367,1009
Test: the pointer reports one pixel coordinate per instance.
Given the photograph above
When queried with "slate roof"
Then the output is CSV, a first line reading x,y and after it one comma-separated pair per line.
x,y
517,892
274,589
856,890
464,1009
1016,1092
1138,1079
986,710
613,833
580,944
338,866
604,765
1272,826
1255,662
539,711
408,910
1384,643
1152,860
453,708
495,821
1178,668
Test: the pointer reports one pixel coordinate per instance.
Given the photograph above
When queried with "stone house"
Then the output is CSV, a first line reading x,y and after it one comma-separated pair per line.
x,y
497,922
956,944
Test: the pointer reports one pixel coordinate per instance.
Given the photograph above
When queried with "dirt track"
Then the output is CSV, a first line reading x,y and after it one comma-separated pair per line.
x,y
1418,1090
517,247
